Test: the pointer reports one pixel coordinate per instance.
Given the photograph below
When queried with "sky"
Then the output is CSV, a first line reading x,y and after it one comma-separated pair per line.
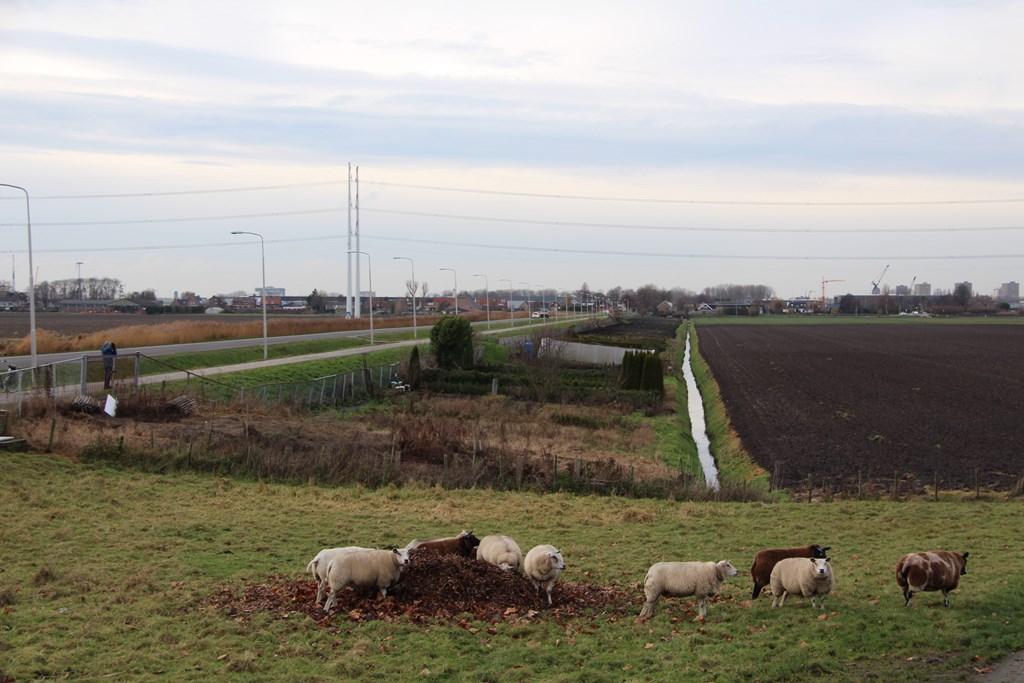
x,y
803,120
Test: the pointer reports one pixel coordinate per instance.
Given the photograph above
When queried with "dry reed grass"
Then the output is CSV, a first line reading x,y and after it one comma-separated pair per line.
x,y
188,331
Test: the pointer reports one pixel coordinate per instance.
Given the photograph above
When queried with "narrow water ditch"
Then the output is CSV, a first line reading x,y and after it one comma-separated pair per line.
x,y
698,425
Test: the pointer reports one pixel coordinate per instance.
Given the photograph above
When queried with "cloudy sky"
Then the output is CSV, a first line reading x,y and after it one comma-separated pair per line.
x,y
809,121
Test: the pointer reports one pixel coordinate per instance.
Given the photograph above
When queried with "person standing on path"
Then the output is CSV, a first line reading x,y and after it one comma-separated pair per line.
x,y
109,351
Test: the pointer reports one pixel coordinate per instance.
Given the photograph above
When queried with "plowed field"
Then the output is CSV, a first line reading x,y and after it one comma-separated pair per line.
x,y
835,401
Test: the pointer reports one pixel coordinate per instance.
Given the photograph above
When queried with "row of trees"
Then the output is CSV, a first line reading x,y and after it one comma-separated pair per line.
x,y
92,288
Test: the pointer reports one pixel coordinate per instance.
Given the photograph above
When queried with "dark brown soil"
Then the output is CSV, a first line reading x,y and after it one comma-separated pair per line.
x,y
833,401
443,588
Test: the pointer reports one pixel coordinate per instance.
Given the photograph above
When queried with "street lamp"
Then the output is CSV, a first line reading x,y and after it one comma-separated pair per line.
x,y
455,289
487,297
78,264
527,297
31,274
412,266
508,301
369,273
263,297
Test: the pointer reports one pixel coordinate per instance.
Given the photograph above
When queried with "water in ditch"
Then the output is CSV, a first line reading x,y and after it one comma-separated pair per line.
x,y
698,425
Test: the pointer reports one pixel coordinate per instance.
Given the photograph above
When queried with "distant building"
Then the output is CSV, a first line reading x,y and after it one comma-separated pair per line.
x,y
923,289
271,292
968,285
1009,292
902,290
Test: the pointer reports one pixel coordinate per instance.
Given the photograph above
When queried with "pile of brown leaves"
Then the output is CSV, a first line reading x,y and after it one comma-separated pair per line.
x,y
433,588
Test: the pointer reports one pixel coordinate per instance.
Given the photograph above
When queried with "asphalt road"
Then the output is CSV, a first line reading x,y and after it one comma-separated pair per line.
x,y
173,349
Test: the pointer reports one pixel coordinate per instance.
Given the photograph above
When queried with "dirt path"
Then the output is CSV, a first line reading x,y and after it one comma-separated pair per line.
x,y
1009,670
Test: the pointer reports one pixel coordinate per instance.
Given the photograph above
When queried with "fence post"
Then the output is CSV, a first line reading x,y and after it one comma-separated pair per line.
x,y
138,359
84,374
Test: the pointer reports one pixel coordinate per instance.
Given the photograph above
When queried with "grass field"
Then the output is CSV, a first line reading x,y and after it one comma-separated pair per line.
x,y
213,359
104,575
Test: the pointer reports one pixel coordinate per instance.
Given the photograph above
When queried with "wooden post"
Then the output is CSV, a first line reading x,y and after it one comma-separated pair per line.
x,y
810,487
895,484
860,485
977,485
53,428
935,484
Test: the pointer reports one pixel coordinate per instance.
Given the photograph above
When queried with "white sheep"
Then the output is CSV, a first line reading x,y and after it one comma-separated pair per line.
x,y
318,567
683,579
542,566
501,551
378,569
809,577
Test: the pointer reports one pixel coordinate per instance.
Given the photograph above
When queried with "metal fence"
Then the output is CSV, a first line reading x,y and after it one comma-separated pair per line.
x,y
85,374
343,388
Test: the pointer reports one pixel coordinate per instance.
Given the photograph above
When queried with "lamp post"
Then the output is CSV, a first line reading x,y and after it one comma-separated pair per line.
x,y
455,289
31,274
369,273
412,266
263,297
527,297
508,301
487,297
78,264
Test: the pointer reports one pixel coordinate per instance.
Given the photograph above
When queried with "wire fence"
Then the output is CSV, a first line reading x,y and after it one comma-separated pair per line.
x,y
87,375
968,480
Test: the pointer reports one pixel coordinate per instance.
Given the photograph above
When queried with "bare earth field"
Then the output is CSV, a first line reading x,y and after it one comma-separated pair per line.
x,y
834,401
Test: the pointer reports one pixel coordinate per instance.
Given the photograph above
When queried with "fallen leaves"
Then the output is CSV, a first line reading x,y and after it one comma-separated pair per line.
x,y
433,588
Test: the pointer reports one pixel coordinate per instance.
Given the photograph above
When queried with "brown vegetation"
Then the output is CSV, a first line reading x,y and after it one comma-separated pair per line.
x,y
199,329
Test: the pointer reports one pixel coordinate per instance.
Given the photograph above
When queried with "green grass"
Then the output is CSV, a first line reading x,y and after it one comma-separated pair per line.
x,y
793,319
303,372
674,444
213,359
735,466
134,556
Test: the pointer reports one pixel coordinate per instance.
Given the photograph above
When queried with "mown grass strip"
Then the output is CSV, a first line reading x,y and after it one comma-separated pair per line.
x,y
249,354
736,468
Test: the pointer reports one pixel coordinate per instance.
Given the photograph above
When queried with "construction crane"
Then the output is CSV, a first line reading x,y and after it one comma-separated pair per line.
x,y
823,283
877,284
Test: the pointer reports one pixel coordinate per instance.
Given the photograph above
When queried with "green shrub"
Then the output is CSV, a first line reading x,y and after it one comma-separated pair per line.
x,y
451,340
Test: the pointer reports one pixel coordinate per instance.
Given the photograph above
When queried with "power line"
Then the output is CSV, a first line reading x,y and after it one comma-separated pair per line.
x,y
178,193
546,249
539,195
521,221
183,219
660,200
685,228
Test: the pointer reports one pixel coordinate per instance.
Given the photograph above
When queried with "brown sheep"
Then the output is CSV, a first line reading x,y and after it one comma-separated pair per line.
x,y
766,560
464,544
937,570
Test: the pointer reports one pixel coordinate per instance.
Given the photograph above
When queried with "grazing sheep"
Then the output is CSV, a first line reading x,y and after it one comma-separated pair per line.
x,y
683,579
765,561
378,569
318,567
542,566
501,551
937,570
464,544
811,577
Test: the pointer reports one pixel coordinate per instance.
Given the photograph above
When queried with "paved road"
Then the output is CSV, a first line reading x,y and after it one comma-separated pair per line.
x,y
173,349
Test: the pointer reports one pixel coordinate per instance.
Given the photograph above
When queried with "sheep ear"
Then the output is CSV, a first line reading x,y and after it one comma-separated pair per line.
x,y
826,548
965,555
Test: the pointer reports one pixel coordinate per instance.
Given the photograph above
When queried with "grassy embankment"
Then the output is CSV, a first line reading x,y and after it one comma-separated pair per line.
x,y
735,465
104,575
675,444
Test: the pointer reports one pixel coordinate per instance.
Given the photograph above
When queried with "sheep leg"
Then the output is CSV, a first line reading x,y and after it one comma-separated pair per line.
x,y
907,594
757,591
550,587
384,593
702,607
945,598
780,599
321,588
648,610
330,601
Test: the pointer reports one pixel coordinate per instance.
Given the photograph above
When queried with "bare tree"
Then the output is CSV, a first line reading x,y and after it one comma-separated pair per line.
x,y
423,287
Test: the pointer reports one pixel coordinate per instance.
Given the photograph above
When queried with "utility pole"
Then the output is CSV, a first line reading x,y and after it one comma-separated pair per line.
x,y
79,265
455,289
359,294
412,270
508,299
31,278
263,296
487,297
348,287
